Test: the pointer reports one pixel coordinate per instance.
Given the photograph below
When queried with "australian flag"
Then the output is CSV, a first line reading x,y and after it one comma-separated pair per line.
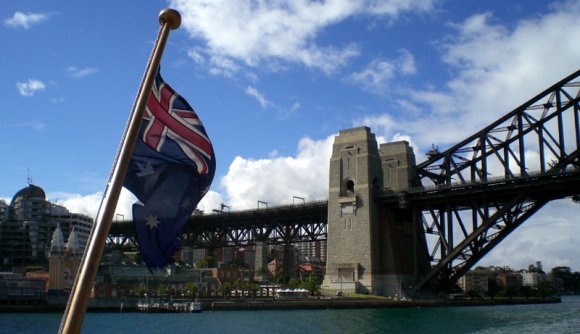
x,y
171,169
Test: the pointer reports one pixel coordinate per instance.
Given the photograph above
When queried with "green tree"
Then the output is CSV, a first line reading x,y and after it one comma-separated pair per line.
x,y
473,294
140,290
191,288
204,263
526,291
263,272
492,287
312,284
253,289
510,292
281,278
238,264
545,289
163,290
294,283
226,290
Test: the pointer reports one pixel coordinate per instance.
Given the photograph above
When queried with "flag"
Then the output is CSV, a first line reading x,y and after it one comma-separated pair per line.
x,y
171,169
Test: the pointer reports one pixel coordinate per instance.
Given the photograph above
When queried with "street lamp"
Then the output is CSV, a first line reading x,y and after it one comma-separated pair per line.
x,y
262,202
294,198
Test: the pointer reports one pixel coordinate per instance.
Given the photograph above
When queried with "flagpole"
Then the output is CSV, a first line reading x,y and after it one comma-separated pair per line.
x,y
73,317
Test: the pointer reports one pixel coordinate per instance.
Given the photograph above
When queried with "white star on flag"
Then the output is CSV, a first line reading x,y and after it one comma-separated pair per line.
x,y
151,221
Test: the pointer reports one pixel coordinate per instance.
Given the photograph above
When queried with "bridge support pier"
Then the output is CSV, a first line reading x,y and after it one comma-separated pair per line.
x,y
371,249
261,259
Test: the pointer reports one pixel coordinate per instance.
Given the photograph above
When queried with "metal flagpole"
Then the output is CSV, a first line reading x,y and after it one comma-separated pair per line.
x,y
77,304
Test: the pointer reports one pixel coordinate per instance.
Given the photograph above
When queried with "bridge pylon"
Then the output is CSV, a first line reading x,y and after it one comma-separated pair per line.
x,y
372,248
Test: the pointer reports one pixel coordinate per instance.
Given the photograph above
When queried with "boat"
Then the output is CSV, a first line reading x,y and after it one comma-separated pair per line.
x,y
156,306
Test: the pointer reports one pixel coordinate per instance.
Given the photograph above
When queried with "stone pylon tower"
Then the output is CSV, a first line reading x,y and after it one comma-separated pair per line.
x,y
371,248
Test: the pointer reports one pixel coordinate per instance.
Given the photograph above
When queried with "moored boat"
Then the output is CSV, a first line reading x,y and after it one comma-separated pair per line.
x,y
156,306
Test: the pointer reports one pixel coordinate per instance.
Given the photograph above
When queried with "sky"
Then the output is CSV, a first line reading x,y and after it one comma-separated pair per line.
x,y
274,82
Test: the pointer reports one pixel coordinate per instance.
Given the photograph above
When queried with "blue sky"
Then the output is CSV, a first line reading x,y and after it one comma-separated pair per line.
x,y
274,81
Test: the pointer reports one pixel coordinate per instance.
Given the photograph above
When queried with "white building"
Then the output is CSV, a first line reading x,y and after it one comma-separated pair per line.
x,y
532,279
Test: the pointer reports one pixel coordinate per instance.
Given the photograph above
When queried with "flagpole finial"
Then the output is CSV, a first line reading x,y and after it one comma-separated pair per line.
x,y
171,17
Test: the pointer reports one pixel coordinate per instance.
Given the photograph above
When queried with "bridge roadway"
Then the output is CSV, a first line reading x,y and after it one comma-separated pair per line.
x,y
551,186
275,225
307,222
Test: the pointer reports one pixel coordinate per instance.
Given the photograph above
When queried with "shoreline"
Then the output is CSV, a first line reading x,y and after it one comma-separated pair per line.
x,y
115,305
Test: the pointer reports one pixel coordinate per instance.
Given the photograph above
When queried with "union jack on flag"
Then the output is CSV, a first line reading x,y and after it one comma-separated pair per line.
x,y
171,169
171,118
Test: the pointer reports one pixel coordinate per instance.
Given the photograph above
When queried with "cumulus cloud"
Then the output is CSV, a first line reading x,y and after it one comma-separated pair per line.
x,y
277,179
253,33
211,201
25,20
89,204
78,73
495,69
30,87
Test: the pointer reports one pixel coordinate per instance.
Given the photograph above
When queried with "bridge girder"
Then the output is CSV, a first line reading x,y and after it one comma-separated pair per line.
x,y
479,191
276,225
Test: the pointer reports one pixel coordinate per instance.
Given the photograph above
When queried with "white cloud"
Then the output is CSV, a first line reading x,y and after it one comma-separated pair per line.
x,y
30,87
550,236
406,62
378,75
495,69
395,7
89,204
211,201
25,20
76,72
252,91
253,33
275,180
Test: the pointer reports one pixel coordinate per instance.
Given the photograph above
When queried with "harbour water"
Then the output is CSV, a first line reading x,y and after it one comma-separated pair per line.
x,y
536,318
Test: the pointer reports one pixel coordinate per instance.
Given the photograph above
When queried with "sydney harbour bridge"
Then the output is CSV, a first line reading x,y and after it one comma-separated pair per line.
x,y
464,200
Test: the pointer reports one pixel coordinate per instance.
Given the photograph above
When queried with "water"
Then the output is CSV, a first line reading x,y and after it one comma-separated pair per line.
x,y
541,318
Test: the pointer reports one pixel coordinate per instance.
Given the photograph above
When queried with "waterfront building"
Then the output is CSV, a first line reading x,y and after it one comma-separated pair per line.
x,y
22,289
64,261
120,280
532,279
508,279
311,251
475,280
27,226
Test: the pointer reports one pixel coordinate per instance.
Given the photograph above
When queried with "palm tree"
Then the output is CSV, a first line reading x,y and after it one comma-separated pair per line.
x,y
312,284
253,289
163,290
191,289
226,289
141,290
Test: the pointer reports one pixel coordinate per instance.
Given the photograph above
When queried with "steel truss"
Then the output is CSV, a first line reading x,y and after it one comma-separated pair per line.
x,y
276,225
480,190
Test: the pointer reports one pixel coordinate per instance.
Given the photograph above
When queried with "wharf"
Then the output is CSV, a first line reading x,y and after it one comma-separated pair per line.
x,y
350,303
130,305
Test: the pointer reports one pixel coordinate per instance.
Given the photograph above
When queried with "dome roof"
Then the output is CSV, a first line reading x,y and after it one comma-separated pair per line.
x,y
30,192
